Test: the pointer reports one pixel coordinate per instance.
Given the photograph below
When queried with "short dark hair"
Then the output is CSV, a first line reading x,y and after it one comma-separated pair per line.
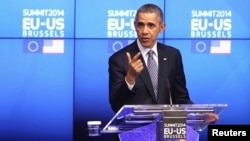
x,y
150,8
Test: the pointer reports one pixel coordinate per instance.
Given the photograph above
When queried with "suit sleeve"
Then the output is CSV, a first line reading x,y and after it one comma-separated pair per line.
x,y
118,89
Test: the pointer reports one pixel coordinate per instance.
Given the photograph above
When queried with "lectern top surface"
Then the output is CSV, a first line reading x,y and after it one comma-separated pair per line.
x,y
134,116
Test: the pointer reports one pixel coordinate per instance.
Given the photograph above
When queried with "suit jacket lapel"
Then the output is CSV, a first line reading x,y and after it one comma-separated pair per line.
x,y
144,75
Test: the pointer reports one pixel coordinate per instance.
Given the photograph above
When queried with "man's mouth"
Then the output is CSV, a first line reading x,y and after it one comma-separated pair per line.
x,y
144,39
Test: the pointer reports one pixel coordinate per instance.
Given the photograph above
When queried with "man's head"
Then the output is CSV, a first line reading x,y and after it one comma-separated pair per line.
x,y
148,24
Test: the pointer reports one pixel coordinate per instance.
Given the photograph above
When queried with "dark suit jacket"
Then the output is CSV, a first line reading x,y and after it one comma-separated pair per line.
x,y
170,68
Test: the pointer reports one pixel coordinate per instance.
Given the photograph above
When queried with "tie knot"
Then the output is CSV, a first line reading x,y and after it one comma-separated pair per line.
x,y
150,53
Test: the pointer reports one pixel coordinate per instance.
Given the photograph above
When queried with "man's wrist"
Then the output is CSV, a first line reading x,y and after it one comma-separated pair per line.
x,y
130,80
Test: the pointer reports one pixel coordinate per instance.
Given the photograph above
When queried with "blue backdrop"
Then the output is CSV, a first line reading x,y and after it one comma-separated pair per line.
x,y
54,61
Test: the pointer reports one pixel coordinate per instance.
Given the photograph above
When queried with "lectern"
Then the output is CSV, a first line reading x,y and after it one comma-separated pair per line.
x,y
161,122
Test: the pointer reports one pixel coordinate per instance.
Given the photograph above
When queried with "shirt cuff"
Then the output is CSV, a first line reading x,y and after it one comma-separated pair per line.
x,y
130,87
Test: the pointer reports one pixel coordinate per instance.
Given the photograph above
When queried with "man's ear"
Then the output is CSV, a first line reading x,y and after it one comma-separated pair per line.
x,y
163,26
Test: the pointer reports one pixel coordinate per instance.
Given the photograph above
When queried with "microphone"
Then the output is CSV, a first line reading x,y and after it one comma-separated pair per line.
x,y
169,91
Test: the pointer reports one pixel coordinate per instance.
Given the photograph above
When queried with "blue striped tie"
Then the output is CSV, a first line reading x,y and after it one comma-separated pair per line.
x,y
153,71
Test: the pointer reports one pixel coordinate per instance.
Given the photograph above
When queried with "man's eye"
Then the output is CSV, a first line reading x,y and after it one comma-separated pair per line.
x,y
151,25
139,24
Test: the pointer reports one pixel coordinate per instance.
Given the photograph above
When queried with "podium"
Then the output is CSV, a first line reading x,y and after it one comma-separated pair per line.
x,y
161,122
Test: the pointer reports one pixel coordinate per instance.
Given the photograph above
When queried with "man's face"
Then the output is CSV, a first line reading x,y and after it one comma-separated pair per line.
x,y
148,26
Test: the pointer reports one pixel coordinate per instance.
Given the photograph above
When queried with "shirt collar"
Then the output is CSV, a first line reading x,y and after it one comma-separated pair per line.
x,y
145,50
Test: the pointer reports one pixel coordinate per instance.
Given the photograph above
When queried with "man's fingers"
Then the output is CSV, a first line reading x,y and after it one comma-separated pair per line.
x,y
128,57
211,118
135,58
135,64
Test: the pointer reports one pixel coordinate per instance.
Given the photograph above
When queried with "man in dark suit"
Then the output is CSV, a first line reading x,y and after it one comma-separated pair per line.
x,y
129,78
129,75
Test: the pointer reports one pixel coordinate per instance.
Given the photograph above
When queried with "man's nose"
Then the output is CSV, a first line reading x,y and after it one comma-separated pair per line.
x,y
145,30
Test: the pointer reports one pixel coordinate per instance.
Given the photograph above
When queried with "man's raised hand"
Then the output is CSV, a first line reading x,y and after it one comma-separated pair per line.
x,y
135,66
